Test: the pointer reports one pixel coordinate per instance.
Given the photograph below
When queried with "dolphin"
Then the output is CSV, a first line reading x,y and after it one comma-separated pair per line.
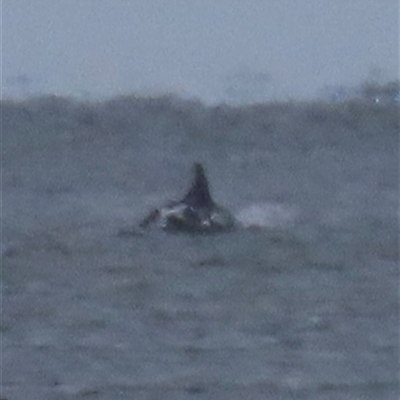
x,y
195,213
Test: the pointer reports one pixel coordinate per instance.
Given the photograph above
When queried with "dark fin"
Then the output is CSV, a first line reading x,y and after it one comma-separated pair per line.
x,y
199,195
150,218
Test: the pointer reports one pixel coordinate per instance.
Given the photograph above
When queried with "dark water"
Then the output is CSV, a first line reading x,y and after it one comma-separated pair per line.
x,y
301,303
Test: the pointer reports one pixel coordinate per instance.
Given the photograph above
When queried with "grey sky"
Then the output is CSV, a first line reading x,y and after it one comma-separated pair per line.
x,y
198,48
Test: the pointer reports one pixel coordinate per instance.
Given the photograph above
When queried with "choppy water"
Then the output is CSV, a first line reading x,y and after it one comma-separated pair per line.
x,y
302,303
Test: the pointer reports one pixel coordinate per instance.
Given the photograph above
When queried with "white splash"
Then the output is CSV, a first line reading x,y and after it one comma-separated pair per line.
x,y
268,215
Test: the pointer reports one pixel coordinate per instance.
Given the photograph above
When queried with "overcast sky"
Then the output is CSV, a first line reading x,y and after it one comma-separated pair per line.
x,y
211,49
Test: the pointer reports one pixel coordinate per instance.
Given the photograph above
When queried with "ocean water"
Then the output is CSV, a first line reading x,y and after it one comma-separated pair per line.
x,y
300,302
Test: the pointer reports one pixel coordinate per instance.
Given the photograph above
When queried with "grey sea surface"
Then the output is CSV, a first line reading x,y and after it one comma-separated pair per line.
x,y
300,302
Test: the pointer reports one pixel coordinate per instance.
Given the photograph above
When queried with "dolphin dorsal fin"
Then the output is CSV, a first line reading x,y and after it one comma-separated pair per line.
x,y
199,195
